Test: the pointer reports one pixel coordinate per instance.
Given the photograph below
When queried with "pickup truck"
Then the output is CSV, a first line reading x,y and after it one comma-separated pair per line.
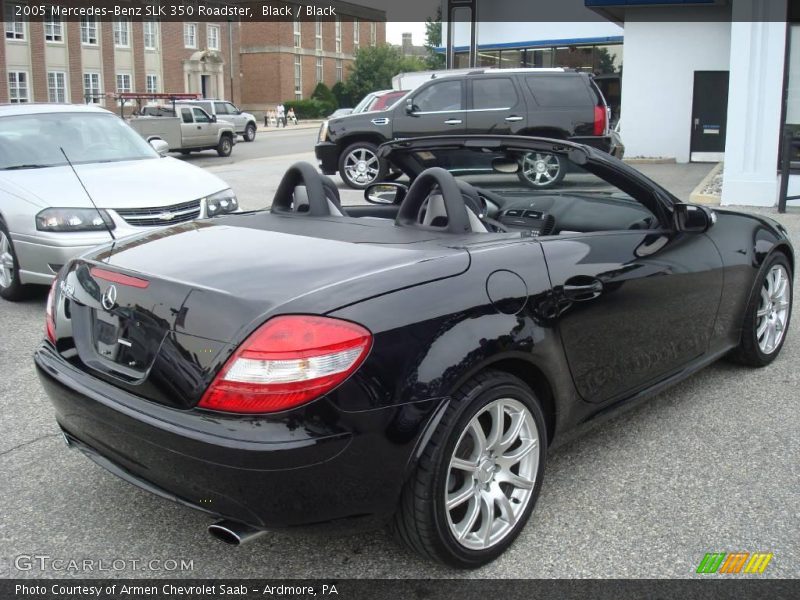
x,y
192,129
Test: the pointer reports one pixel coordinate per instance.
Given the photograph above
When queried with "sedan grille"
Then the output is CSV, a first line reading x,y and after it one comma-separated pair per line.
x,y
162,215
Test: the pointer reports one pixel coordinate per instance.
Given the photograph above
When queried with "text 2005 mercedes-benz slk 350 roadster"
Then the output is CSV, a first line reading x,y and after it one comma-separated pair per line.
x,y
409,360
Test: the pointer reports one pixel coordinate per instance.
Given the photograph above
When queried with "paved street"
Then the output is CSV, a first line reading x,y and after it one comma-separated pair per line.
x,y
710,465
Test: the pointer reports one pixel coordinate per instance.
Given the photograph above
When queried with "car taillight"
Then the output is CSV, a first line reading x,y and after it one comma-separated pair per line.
x,y
599,120
288,361
50,320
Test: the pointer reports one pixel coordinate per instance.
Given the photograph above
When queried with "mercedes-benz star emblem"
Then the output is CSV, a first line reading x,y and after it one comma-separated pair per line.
x,y
109,299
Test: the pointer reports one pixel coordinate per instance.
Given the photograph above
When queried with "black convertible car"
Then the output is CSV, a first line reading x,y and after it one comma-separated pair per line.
x,y
410,360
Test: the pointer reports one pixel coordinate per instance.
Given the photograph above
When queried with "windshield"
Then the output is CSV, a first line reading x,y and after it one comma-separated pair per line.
x,y
35,141
364,101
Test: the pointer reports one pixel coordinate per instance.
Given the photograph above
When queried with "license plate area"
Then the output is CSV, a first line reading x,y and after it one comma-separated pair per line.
x,y
123,342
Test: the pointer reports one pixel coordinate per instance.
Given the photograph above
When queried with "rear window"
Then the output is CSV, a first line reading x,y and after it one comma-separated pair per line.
x,y
493,92
559,90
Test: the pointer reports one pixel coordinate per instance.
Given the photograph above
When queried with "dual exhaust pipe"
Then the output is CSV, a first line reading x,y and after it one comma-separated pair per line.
x,y
234,533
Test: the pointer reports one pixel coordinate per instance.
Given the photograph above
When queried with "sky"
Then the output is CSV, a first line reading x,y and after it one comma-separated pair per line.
x,y
396,29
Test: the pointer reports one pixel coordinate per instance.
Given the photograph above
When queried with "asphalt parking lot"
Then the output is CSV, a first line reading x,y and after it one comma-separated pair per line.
x,y
709,466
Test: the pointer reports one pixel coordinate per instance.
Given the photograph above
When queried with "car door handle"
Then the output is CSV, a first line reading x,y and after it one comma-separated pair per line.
x,y
199,126
582,288
514,119
453,122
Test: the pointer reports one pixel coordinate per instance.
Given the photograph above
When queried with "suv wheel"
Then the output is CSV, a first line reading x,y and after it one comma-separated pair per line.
x,y
541,170
360,166
250,132
225,146
10,286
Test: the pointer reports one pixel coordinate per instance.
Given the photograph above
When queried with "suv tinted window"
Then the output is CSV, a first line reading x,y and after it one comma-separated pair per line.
x,y
221,108
494,92
559,90
441,96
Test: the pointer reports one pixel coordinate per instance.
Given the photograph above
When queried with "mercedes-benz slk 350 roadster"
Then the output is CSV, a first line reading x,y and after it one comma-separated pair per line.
x,y
410,360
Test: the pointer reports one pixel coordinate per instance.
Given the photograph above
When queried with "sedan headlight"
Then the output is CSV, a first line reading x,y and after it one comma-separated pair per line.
x,y
221,203
323,132
73,219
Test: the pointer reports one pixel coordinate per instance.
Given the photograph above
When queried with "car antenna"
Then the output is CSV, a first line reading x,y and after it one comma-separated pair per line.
x,y
88,195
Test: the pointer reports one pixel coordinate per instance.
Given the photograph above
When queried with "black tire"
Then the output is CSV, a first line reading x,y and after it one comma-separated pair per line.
x,y
369,149
421,522
225,146
15,290
546,180
250,132
749,352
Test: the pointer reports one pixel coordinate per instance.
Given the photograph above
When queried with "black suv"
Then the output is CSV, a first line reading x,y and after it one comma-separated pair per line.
x,y
553,103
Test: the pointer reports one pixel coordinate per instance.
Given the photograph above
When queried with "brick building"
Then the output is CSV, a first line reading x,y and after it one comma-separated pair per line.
x,y
285,60
54,60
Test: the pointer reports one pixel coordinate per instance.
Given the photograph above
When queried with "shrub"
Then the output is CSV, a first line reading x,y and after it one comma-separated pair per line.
x,y
323,94
308,109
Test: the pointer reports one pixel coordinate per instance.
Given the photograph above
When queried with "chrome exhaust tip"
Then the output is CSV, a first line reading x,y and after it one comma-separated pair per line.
x,y
234,533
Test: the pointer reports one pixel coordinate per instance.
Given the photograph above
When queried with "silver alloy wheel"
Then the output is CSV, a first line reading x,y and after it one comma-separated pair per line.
x,y
491,475
773,310
6,262
361,166
540,168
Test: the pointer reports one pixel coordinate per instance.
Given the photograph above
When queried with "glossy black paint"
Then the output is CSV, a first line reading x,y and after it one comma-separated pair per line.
x,y
590,321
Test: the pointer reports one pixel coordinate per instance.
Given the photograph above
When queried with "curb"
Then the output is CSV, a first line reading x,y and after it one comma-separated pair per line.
x,y
641,160
698,197
300,125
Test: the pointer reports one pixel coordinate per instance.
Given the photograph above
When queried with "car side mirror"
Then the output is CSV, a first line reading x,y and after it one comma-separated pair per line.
x,y
213,118
410,106
385,193
160,146
692,218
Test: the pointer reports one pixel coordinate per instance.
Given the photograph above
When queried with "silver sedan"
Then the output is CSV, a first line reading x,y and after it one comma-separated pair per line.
x,y
46,210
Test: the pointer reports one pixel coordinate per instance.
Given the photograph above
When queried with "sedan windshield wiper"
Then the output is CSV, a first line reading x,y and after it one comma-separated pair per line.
x,y
27,166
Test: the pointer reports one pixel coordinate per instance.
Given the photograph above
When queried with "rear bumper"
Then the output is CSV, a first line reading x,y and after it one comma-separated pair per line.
x,y
328,156
268,473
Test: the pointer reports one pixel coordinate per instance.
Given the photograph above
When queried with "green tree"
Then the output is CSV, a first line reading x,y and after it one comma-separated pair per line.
x,y
433,40
343,99
604,61
374,68
325,96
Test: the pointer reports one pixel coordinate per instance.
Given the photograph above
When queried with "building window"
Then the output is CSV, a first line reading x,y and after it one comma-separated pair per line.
x,y
122,34
298,77
91,88
319,69
356,33
338,25
339,69
56,86
123,83
150,35
297,37
190,35
89,31
373,33
318,35
53,30
213,37
15,27
151,84
18,87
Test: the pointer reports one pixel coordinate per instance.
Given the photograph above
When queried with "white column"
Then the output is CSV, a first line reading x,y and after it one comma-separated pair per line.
x,y
758,46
